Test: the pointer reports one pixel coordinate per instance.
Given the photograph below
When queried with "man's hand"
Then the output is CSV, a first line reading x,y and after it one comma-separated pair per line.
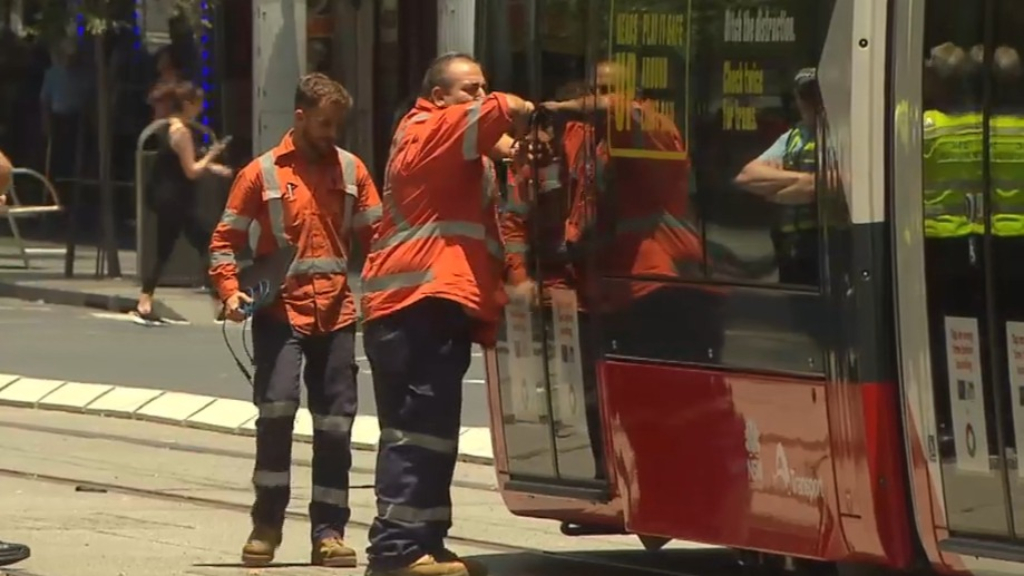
x,y
234,304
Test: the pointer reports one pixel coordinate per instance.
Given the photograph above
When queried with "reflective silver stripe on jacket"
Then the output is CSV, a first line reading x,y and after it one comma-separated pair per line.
x,y
405,232
272,196
471,137
350,176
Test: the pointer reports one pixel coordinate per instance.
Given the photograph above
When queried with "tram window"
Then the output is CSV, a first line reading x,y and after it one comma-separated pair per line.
x,y
710,161
754,134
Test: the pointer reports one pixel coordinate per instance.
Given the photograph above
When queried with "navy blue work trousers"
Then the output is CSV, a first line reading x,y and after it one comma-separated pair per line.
x,y
419,356
330,373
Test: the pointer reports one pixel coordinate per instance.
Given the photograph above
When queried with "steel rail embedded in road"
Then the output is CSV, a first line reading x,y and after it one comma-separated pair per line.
x,y
109,487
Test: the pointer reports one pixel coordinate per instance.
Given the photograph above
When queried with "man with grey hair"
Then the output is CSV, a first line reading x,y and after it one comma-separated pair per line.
x,y
431,287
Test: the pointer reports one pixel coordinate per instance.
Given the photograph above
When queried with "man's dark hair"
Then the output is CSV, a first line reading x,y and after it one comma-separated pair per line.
x,y
317,89
437,72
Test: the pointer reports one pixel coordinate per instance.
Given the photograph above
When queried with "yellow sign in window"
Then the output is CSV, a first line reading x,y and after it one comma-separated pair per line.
x,y
649,51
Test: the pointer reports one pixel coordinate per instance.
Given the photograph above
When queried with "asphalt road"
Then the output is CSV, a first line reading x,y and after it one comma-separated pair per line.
x,y
76,344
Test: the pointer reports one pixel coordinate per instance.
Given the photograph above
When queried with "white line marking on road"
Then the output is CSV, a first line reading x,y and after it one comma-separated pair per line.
x,y
27,308
130,318
112,316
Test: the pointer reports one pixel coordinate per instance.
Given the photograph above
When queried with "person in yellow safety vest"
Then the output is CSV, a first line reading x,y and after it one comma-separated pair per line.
x,y
1006,150
785,176
952,150
951,179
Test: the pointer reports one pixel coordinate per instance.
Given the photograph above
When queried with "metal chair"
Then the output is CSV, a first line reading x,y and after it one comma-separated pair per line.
x,y
14,210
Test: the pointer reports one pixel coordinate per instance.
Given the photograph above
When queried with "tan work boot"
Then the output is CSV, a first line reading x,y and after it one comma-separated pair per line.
x,y
426,566
332,553
474,567
259,549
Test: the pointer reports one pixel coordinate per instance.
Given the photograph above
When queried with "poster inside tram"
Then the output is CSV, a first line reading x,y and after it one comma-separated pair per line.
x,y
965,388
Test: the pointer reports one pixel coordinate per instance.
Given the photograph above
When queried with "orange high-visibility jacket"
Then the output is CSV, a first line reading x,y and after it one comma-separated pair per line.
x,y
438,236
280,199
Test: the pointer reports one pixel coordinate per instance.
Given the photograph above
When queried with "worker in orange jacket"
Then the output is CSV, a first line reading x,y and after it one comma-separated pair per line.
x,y
306,194
432,286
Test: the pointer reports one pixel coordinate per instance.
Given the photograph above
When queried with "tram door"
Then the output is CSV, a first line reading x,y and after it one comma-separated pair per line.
x,y
546,364
973,180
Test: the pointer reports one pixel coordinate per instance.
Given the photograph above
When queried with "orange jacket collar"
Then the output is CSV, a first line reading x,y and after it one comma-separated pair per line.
x,y
286,145
424,105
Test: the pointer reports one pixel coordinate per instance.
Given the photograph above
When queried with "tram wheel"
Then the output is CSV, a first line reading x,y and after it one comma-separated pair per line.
x,y
653,543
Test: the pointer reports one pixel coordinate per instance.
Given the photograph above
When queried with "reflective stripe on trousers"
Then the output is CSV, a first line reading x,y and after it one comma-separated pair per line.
x,y
419,356
330,376
275,214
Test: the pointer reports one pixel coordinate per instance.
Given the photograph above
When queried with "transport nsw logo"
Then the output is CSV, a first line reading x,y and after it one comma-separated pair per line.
x,y
785,478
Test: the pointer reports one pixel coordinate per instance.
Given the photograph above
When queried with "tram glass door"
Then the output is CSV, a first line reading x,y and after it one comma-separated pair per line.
x,y
545,363
973,176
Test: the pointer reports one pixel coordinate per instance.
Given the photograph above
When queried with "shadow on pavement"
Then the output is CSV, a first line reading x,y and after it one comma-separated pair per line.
x,y
700,562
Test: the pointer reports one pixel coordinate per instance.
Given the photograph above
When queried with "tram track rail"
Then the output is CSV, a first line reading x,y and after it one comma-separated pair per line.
x,y
96,486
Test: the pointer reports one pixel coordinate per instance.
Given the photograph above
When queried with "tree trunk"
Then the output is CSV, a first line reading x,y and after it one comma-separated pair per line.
x,y
108,242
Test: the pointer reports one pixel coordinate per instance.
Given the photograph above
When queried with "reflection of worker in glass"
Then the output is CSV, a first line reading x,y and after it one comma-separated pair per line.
x,y
644,197
784,175
1005,194
634,221
952,181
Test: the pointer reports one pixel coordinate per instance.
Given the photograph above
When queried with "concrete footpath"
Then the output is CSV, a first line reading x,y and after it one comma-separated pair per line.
x,y
107,497
236,417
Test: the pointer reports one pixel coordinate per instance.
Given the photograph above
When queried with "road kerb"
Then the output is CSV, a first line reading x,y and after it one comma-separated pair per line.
x,y
209,413
73,396
28,391
223,415
122,401
173,407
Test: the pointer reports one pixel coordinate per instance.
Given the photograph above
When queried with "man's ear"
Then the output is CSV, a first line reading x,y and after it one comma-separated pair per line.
x,y
300,115
437,95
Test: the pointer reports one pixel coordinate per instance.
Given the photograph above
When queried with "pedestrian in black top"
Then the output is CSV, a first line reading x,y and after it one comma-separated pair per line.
x,y
171,186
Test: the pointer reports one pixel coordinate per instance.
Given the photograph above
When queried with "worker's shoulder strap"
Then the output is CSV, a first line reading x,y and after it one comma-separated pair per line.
x,y
349,172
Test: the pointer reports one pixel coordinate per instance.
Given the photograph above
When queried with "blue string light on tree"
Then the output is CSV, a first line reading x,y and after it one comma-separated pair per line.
x,y
137,25
205,74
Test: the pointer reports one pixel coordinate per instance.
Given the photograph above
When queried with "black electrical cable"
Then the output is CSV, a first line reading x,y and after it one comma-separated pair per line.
x,y
238,361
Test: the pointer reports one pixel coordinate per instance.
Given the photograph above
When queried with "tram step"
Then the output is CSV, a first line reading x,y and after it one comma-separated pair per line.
x,y
983,548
